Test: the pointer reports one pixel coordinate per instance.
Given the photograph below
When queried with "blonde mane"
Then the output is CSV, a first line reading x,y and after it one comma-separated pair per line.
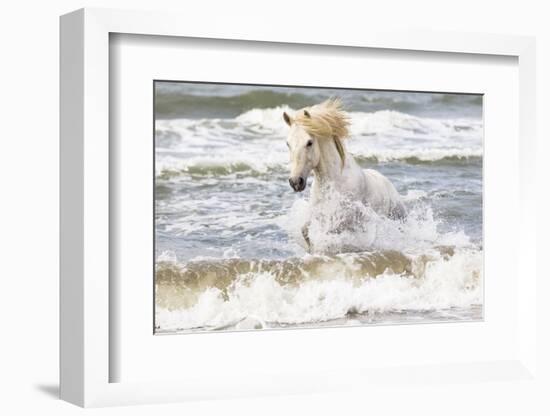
x,y
326,120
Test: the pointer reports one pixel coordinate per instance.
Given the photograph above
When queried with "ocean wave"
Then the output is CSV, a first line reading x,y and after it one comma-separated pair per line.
x,y
269,120
454,156
169,168
396,123
255,142
188,100
388,122
210,295
377,266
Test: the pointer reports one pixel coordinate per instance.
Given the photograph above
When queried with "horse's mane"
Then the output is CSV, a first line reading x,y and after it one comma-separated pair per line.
x,y
326,120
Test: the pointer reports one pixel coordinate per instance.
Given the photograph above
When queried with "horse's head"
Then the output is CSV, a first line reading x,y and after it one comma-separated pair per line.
x,y
309,127
304,151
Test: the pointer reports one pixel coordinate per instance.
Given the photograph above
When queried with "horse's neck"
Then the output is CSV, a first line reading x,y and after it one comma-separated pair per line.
x,y
329,170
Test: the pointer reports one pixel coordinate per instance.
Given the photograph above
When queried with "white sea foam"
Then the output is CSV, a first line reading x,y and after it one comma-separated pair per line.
x,y
256,140
446,283
418,233
414,195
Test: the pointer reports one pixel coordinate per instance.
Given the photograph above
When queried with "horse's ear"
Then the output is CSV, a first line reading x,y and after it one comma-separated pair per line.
x,y
306,113
287,118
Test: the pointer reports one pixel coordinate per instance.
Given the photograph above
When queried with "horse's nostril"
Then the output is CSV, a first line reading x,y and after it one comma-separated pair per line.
x,y
298,184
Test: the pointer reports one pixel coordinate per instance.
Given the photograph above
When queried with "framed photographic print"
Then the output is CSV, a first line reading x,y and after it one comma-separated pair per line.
x,y
308,209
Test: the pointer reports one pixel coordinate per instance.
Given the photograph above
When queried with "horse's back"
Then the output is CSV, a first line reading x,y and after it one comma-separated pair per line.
x,y
382,196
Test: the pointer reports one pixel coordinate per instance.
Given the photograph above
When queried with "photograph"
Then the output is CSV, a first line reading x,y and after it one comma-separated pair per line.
x,y
284,207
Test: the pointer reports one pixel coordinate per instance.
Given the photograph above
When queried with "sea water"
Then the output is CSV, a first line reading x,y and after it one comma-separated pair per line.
x,y
228,245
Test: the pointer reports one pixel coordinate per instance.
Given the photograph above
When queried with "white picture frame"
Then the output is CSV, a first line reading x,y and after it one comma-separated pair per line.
x,y
86,356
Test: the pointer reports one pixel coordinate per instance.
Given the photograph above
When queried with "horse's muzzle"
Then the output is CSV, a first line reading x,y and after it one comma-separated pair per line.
x,y
298,184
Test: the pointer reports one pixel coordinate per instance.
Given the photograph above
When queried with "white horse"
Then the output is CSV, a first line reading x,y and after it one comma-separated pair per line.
x,y
315,141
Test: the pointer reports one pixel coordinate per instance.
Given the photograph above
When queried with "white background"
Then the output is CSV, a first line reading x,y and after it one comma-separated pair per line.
x,y
29,207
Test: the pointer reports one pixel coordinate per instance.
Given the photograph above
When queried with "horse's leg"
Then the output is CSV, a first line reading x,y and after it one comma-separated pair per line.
x,y
305,234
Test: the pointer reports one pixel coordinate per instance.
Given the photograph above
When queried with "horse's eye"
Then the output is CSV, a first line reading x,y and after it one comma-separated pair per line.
x,y
309,143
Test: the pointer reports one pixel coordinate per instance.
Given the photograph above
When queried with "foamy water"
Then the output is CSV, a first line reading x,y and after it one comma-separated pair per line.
x,y
228,227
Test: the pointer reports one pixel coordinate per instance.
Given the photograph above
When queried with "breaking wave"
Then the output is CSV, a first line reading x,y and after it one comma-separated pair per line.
x,y
212,147
242,294
380,266
185,100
